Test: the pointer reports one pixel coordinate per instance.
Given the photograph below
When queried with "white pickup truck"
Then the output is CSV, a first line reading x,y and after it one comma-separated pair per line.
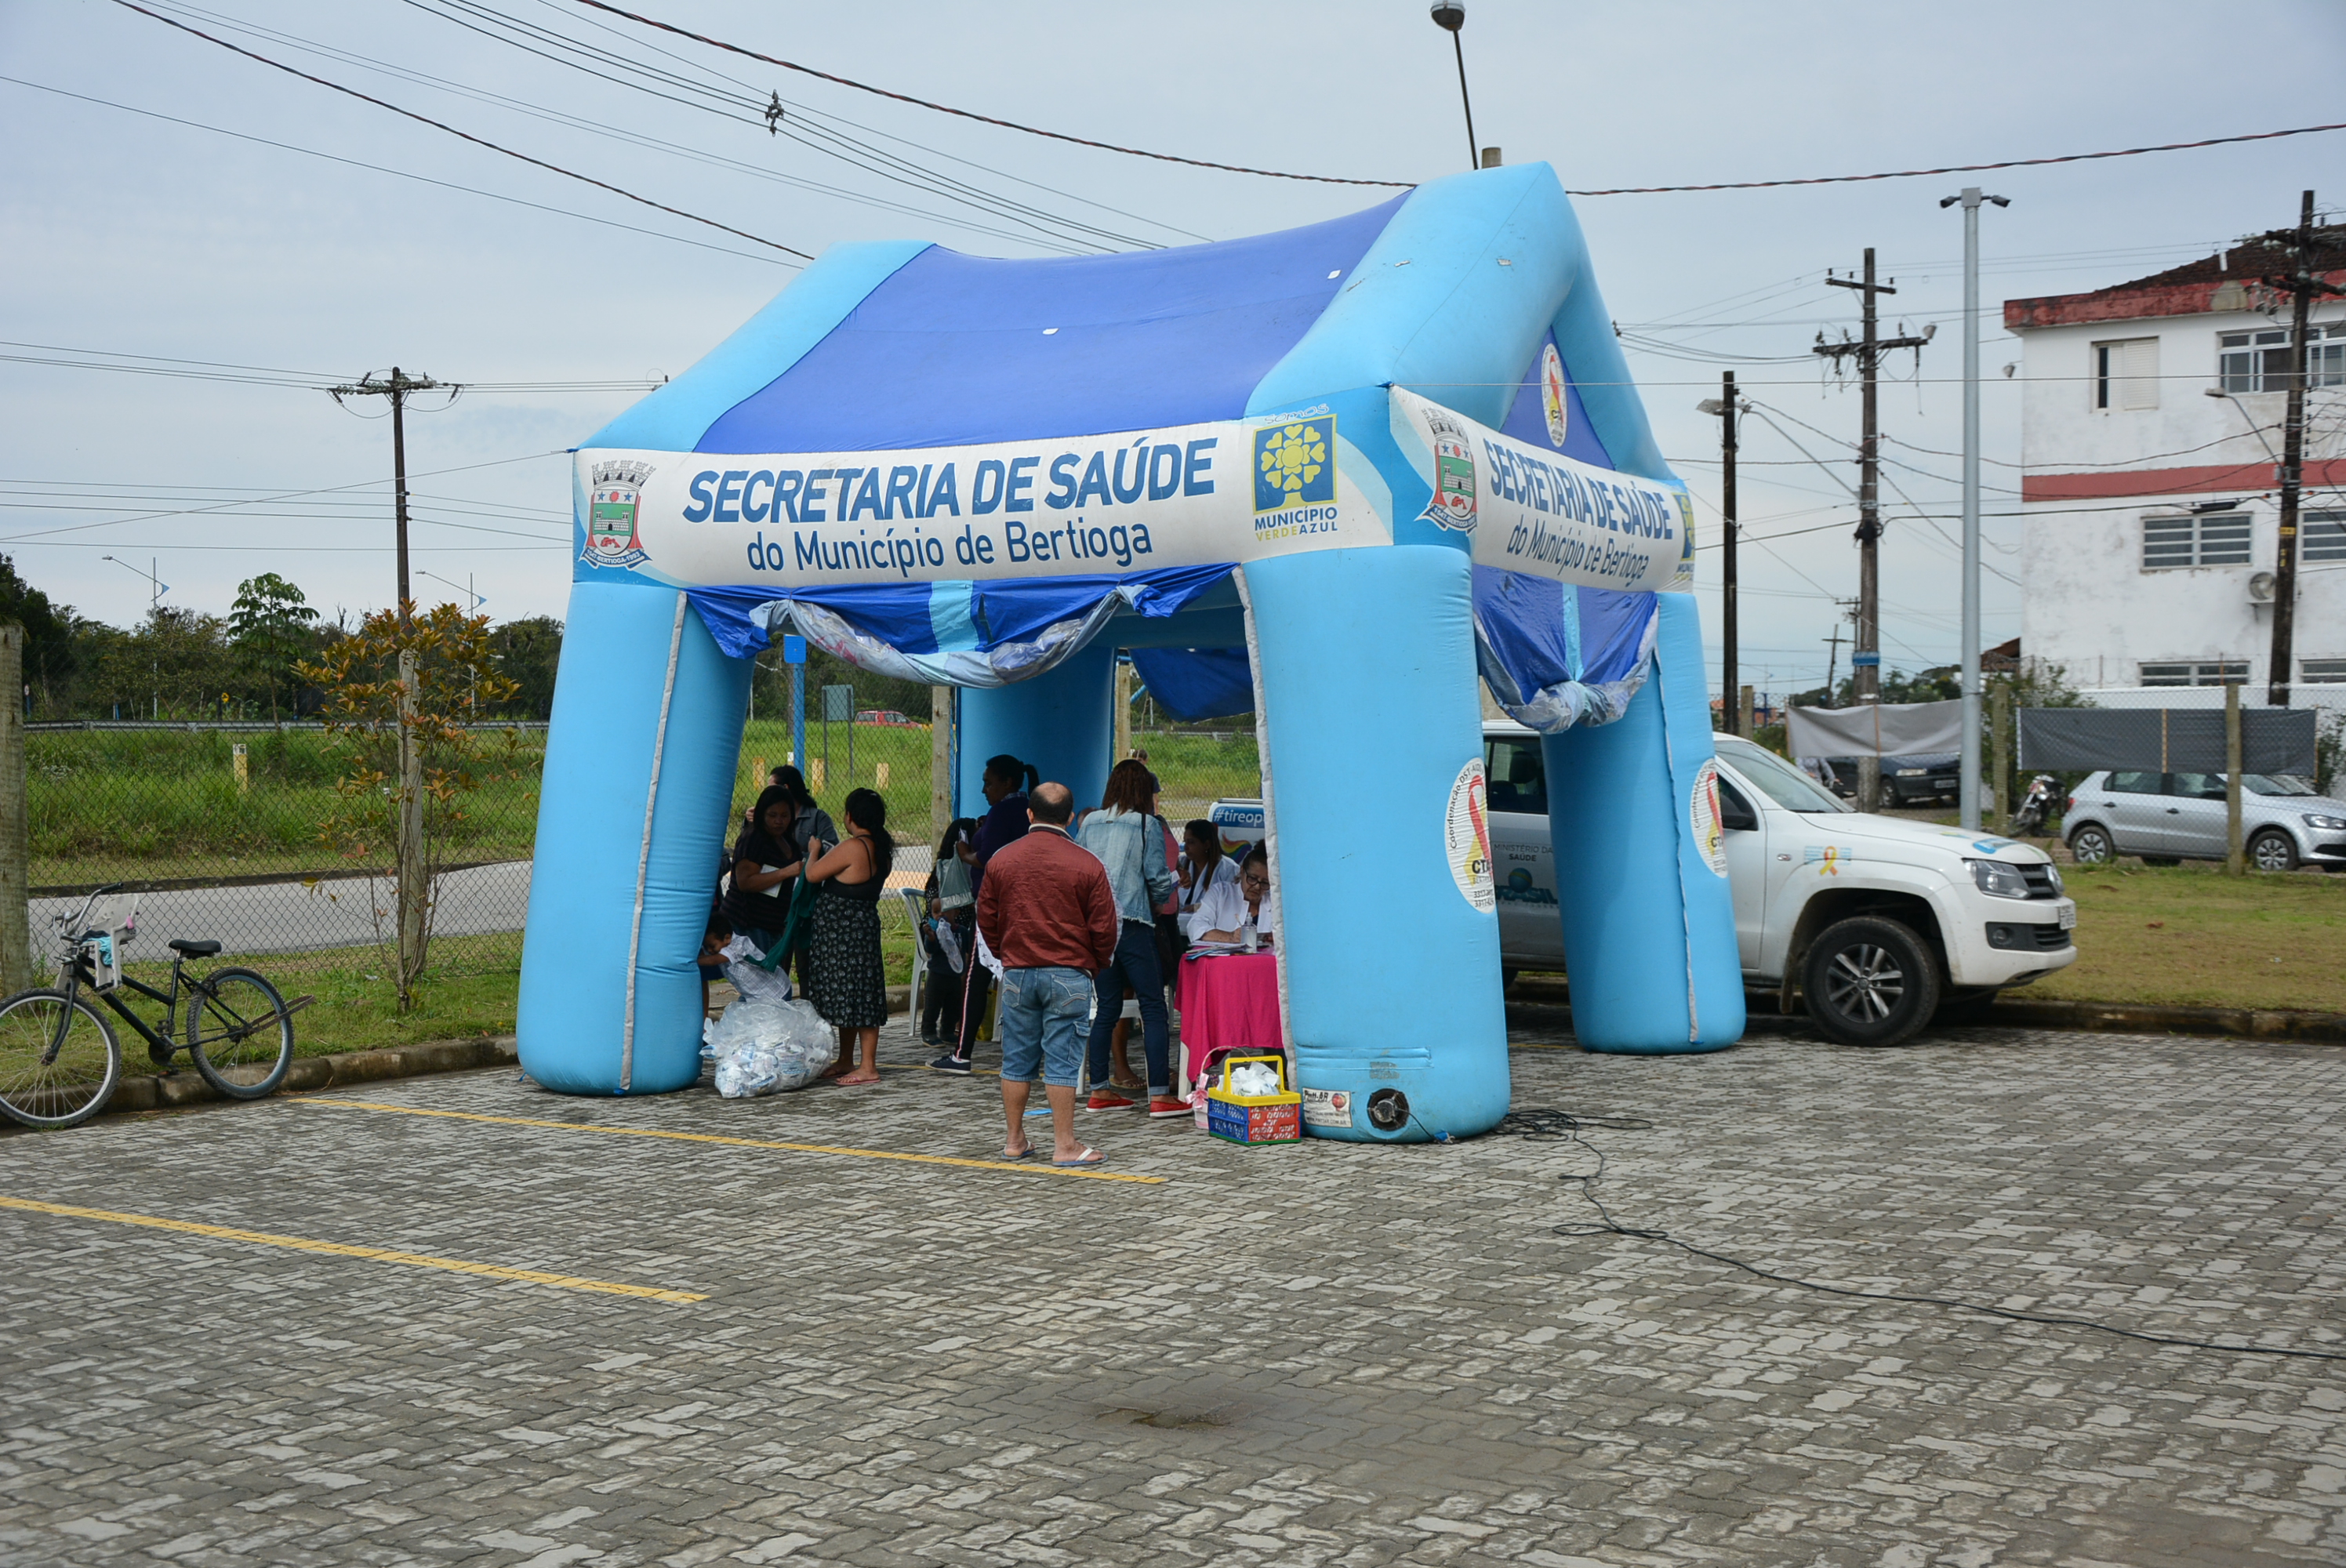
x,y
1875,924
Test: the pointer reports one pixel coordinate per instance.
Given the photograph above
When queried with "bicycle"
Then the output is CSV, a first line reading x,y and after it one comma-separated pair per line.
x,y
60,1059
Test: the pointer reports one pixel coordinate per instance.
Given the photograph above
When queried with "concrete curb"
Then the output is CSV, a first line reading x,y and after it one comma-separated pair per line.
x,y
151,1091
2022,1011
160,1092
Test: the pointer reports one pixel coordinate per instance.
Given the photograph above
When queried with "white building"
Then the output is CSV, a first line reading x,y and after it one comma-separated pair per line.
x,y
2151,507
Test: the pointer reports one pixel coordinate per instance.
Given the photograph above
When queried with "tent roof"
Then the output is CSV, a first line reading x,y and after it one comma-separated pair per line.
x,y
1453,289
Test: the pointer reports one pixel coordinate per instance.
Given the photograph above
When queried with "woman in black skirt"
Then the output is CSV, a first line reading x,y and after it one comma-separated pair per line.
x,y
849,987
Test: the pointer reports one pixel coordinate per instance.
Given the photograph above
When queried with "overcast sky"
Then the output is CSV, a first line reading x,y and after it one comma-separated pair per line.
x,y
135,235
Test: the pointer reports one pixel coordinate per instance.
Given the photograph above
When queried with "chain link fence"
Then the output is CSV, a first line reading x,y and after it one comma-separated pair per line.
x,y
226,831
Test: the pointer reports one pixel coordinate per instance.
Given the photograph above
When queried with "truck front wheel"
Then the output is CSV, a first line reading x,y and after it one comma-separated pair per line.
x,y
1869,982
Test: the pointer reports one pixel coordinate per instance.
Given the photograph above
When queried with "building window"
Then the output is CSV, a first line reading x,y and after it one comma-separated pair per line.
x,y
2126,373
2199,539
2324,671
2259,361
2321,536
2230,672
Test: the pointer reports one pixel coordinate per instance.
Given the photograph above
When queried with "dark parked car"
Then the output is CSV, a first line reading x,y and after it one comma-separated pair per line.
x,y
1905,780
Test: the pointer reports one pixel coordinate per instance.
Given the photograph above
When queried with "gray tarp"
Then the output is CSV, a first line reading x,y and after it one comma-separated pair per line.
x,y
1877,729
2165,739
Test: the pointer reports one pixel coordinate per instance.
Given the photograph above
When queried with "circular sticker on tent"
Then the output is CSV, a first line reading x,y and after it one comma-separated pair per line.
x,y
1466,831
1552,393
1702,811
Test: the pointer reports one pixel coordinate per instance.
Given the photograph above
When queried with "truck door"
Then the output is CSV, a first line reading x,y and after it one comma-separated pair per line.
x,y
1531,929
1745,832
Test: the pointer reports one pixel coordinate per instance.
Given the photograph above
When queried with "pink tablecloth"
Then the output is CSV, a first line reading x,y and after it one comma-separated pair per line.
x,y
1229,1002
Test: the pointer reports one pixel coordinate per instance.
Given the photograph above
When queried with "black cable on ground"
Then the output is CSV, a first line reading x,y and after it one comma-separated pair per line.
x,y
1547,1125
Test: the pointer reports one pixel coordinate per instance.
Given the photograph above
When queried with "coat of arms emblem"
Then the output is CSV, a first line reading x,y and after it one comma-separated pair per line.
x,y
1552,401
1452,505
611,506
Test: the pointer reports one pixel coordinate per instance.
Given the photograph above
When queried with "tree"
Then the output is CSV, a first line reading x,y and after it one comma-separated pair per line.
x,y
176,664
527,652
270,625
50,634
398,698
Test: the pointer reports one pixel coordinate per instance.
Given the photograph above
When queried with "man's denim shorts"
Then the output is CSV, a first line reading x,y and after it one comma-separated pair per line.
x,y
1045,1020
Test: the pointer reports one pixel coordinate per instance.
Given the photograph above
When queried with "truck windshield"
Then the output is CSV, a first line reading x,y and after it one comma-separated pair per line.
x,y
1775,778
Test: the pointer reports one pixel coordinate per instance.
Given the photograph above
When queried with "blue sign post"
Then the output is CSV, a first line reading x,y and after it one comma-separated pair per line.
x,y
794,655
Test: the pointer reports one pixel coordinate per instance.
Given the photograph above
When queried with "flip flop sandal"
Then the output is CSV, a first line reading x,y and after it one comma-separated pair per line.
x,y
1027,1153
1090,1157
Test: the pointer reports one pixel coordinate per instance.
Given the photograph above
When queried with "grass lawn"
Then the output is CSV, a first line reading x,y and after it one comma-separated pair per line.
x,y
470,990
2190,936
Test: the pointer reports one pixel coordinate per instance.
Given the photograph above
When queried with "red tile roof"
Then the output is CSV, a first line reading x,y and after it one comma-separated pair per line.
x,y
2224,281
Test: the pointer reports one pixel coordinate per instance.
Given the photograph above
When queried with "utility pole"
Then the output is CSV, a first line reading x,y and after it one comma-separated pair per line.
x,y
1832,663
15,827
1968,786
1865,652
1727,408
2302,285
397,389
412,886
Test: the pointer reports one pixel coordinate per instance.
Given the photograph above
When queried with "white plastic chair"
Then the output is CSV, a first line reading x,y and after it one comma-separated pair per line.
x,y
916,910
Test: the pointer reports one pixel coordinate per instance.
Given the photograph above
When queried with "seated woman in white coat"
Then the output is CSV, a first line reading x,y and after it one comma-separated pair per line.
x,y
1230,912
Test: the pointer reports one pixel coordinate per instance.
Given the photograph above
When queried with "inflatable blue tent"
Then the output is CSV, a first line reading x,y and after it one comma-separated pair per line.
x,y
1332,475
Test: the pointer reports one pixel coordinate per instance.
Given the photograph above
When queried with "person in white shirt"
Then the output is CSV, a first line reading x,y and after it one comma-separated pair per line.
x,y
1231,912
1203,868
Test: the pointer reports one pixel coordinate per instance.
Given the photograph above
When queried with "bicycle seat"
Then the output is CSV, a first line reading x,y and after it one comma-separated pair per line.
x,y
186,947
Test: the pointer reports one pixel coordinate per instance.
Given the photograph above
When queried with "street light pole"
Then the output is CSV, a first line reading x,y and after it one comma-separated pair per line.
x,y
1968,789
1451,16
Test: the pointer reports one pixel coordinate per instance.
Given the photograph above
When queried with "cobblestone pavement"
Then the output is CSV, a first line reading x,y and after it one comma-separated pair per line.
x,y
1320,1355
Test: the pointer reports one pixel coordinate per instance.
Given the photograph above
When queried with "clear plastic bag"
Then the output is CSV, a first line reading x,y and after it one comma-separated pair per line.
x,y
754,983
764,1046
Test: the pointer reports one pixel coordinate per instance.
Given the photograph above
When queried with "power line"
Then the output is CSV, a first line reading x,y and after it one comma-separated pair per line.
x,y
1396,183
634,61
288,495
265,375
400,173
972,114
736,110
452,130
1950,168
805,130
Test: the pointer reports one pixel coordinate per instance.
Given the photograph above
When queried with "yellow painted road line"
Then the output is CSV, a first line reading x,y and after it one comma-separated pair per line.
x,y
1031,1167
344,1249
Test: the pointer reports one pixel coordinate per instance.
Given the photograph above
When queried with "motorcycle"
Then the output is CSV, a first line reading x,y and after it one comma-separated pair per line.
x,y
2029,820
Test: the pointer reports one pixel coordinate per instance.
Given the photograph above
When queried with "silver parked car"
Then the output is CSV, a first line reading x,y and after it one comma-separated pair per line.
x,y
2170,816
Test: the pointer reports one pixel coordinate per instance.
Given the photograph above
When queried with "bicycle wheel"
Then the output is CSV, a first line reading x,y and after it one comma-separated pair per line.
x,y
59,1060
240,1034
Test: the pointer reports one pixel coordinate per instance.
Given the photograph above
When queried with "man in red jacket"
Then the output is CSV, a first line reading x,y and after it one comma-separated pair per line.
x,y
1048,912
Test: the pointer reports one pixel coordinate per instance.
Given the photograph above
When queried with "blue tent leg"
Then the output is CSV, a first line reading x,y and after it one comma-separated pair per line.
x,y
1366,665
632,817
1648,925
1062,721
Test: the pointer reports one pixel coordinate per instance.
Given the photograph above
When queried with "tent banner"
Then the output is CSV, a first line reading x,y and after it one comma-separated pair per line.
x,y
1186,496
1543,513
1877,729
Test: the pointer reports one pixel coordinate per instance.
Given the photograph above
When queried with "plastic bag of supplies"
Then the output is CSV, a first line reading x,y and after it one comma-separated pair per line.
x,y
763,1046
753,981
